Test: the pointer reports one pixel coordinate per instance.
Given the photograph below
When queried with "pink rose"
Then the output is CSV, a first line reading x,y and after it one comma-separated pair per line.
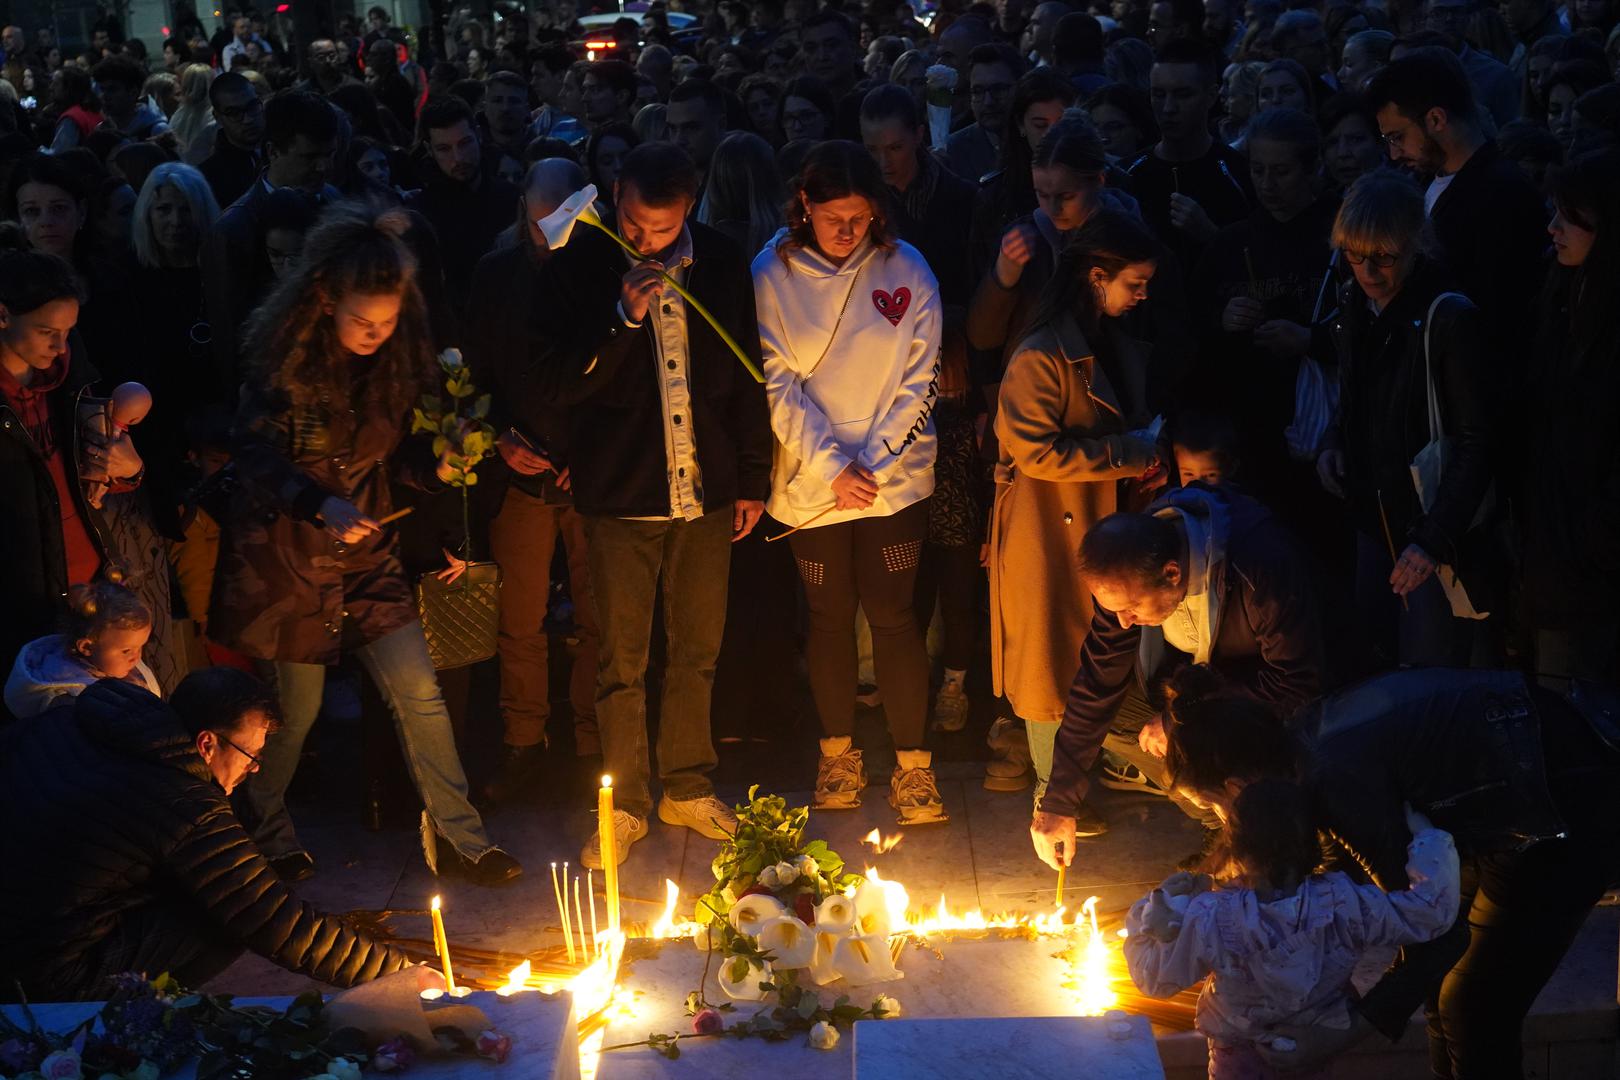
x,y
708,1022
396,1055
62,1065
494,1046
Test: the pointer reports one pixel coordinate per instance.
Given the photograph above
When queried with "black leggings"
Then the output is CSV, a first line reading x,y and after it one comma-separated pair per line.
x,y
870,563
950,576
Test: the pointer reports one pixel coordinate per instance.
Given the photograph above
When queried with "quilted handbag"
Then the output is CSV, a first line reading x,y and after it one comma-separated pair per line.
x,y
461,619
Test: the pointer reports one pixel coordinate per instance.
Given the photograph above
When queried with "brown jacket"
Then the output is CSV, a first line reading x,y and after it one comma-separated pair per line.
x,y
1063,454
285,590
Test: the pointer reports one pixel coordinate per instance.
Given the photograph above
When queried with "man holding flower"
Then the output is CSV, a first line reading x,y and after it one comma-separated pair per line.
x,y
670,455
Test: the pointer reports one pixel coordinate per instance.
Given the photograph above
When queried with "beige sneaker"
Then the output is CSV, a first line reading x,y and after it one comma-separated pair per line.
x,y
1009,767
627,829
704,815
951,708
840,775
913,792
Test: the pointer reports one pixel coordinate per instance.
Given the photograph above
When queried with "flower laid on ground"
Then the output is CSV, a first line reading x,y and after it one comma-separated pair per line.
x,y
708,1022
823,1036
886,1007
150,1028
558,226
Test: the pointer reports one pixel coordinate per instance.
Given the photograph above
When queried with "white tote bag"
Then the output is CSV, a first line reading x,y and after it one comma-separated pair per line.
x,y
1429,466
1316,397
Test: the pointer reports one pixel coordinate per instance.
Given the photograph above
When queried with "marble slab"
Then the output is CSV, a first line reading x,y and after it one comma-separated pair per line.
x,y
996,977
1026,1048
545,1038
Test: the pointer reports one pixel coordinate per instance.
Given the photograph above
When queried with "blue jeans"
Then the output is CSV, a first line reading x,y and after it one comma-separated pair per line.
x,y
1423,633
400,666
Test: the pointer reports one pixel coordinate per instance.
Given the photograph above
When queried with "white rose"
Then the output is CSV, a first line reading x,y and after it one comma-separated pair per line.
x,y
451,359
786,873
808,867
823,1036
343,1069
886,1007
768,878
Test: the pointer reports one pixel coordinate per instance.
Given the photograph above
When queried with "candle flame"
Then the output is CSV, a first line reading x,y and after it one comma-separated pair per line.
x,y
607,781
882,845
518,978
436,905
665,927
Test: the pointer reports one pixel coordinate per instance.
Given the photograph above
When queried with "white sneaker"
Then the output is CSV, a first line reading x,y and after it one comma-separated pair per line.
x,y
951,708
627,829
704,815
913,791
840,775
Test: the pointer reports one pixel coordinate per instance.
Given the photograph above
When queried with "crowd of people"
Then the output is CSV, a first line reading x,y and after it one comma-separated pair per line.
x,y
1241,388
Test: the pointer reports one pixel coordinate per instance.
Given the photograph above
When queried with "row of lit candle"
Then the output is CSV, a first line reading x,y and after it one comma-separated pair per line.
x,y
588,950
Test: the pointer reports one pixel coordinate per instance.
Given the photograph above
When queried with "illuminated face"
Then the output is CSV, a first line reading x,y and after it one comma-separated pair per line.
x,y
39,337
839,224
114,653
365,321
1125,289
1067,197
231,757
1380,273
647,228
1202,465
1139,603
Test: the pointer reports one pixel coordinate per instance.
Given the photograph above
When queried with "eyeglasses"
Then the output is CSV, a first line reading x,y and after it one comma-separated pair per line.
x,y
994,90
1394,138
1381,259
228,741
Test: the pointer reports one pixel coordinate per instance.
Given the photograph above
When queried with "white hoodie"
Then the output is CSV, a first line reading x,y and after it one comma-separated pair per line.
x,y
46,673
871,398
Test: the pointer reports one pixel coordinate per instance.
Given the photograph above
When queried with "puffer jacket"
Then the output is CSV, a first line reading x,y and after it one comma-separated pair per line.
x,y
46,671
105,807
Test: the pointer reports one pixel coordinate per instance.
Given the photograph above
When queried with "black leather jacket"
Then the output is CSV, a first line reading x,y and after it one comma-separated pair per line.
x,y
1464,748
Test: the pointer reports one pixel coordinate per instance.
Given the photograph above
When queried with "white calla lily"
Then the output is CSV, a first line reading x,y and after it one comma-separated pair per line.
x,y
558,225
789,940
872,915
835,915
747,987
862,960
822,970
754,911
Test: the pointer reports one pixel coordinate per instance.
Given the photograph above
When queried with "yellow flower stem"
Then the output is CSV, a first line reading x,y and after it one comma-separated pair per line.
x,y
753,369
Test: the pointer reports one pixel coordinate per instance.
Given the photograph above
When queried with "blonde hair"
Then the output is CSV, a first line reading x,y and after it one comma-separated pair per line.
x,y
104,605
1382,211
191,184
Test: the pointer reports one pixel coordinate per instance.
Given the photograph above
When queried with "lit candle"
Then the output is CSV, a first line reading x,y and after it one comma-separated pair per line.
x,y
590,890
579,918
442,942
610,852
568,926
1063,872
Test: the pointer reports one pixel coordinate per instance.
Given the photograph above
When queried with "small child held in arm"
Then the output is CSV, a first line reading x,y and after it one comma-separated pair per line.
x,y
107,627
1205,445
1280,941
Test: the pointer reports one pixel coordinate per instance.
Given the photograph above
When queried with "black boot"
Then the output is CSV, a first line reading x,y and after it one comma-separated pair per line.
x,y
514,774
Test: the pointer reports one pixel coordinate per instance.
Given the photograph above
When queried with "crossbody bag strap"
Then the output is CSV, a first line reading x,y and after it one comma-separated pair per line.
x,y
1436,422
840,321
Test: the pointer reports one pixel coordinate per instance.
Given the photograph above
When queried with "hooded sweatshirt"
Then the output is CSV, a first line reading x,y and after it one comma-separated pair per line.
x,y
46,671
851,357
1289,961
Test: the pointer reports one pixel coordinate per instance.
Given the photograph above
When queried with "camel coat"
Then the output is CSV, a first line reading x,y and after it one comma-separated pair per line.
x,y
1065,453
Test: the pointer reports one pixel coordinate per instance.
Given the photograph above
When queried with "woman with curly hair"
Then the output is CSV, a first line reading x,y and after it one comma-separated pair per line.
x,y
308,570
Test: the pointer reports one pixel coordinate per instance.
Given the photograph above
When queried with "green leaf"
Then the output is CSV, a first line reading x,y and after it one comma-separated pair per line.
x,y
808,1004
480,407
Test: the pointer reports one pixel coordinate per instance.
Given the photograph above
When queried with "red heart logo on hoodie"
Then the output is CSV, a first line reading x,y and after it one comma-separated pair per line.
x,y
892,306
